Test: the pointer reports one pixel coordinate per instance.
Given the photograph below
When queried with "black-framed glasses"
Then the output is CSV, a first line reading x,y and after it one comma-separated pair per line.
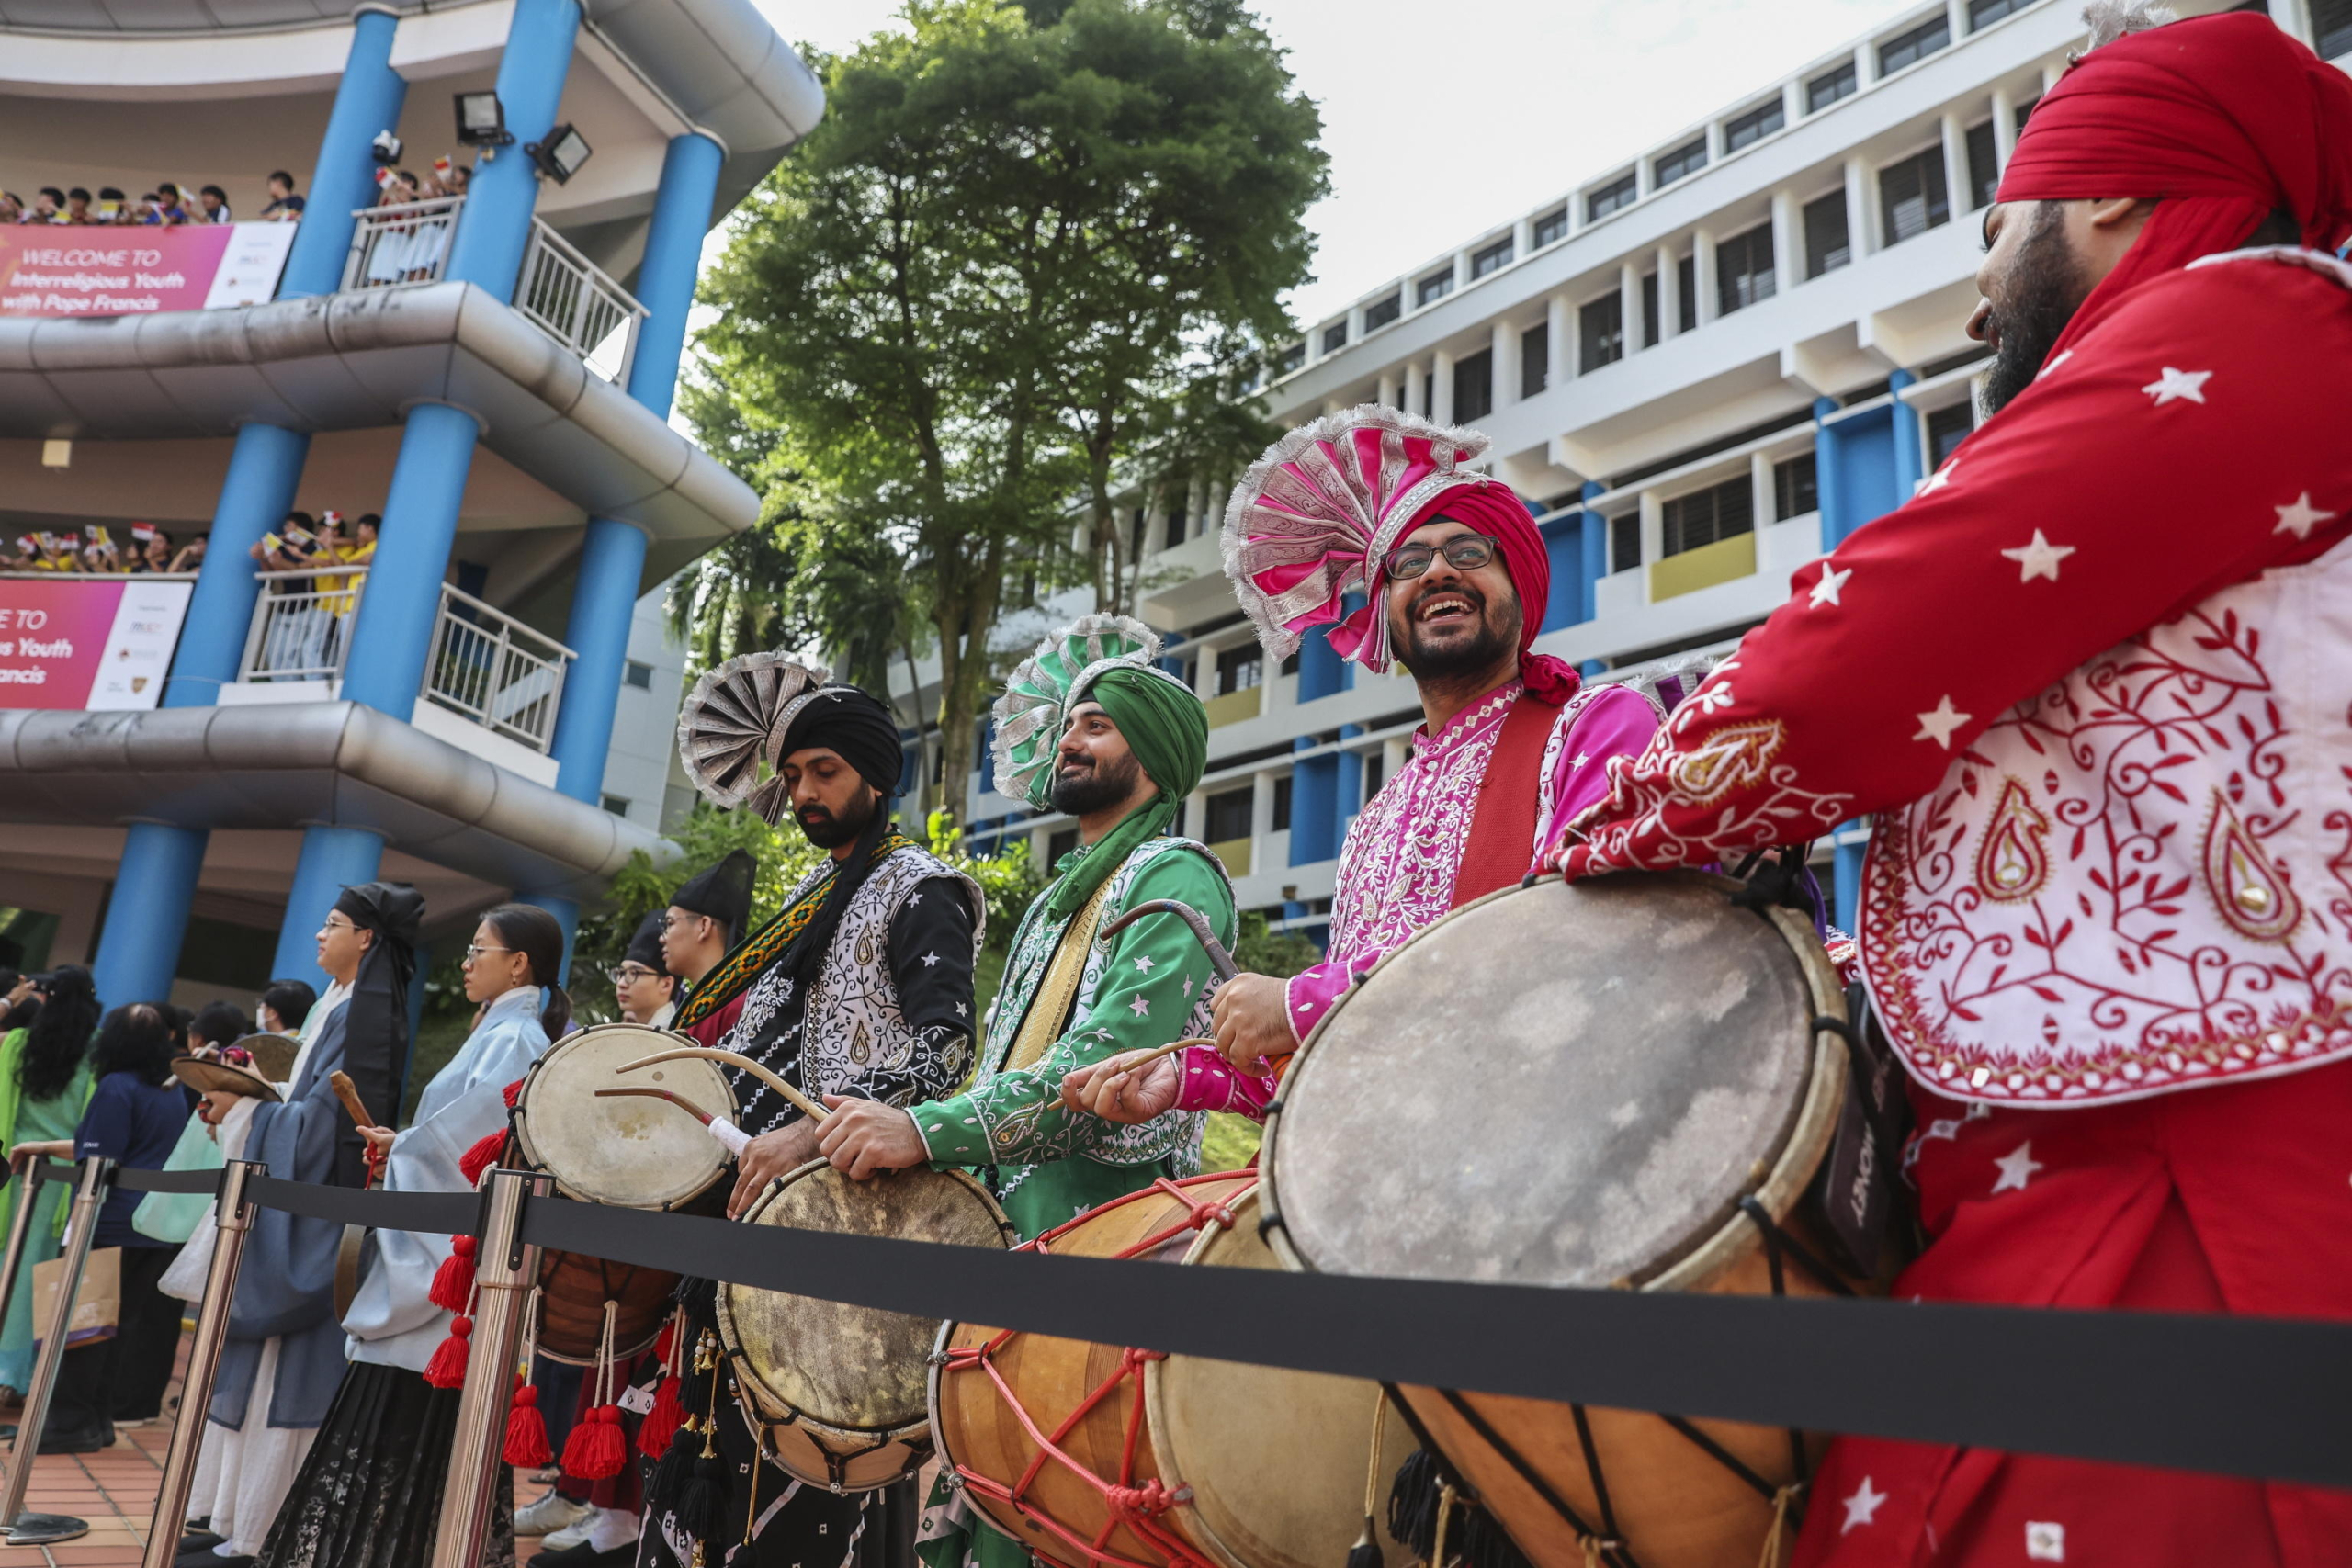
x,y
1463,552
629,974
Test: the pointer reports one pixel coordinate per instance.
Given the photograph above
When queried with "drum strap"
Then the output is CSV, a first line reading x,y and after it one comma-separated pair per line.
x,y
1502,823
1049,1009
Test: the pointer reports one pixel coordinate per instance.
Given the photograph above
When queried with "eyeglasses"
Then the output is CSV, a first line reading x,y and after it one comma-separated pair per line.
x,y
474,951
629,974
1463,552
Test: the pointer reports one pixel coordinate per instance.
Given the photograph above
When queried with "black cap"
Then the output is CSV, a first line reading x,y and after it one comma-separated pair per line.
x,y
723,892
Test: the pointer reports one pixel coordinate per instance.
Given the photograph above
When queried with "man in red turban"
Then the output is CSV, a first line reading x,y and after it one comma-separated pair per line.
x,y
2096,682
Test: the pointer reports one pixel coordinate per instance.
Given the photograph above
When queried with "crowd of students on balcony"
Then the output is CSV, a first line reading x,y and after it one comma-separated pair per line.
x,y
409,249
310,616
96,550
168,205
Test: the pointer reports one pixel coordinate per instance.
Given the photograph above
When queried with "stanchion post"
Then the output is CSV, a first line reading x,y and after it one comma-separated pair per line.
x,y
26,1173
233,1219
32,1530
506,1269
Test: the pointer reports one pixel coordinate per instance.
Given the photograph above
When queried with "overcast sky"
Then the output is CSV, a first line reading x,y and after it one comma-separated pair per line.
x,y
1445,116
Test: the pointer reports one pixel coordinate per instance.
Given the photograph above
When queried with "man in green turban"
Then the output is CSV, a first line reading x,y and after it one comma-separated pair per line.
x,y
1091,726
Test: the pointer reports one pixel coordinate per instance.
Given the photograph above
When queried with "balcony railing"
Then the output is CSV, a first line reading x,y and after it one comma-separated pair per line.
x,y
562,293
482,665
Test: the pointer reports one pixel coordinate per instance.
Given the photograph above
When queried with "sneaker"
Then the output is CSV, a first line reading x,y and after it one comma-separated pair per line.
x,y
612,1529
549,1514
572,1535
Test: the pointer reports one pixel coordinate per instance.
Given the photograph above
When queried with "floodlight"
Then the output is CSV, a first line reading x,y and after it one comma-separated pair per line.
x,y
561,154
481,120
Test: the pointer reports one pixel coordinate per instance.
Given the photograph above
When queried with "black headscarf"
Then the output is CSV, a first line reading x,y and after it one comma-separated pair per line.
x,y
723,892
376,1020
858,728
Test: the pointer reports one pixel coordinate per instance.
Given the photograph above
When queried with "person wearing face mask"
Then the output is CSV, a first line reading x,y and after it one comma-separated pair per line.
x,y
370,1488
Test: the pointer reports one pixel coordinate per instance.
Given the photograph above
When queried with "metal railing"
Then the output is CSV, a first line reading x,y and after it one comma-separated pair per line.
x,y
496,670
301,625
562,292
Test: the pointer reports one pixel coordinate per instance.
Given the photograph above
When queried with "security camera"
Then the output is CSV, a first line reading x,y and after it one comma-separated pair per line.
x,y
387,148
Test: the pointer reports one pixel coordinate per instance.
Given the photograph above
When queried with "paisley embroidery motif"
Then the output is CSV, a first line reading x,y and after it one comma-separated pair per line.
x,y
2014,860
2247,891
1738,756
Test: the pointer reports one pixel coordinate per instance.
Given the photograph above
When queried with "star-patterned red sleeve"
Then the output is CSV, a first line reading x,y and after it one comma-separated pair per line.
x,y
2190,442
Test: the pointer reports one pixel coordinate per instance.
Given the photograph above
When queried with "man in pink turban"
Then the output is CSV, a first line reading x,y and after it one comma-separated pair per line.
x,y
2094,680
1512,743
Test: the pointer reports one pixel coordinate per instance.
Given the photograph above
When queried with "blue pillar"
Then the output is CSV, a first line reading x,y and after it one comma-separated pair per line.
x,y
1828,475
392,632
496,225
1910,456
1313,791
1594,536
265,466
1321,671
665,279
139,951
332,860
366,100
1849,879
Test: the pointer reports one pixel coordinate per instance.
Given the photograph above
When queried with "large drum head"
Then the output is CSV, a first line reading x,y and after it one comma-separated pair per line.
x,y
851,1369
629,1151
1565,1084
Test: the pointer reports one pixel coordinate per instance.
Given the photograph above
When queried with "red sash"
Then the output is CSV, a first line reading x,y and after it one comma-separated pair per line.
x,y
1502,824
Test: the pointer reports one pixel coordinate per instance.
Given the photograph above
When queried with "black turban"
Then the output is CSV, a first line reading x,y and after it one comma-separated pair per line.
x,y
723,892
849,723
376,1024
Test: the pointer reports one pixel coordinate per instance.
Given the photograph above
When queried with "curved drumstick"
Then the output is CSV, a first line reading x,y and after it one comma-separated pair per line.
x,y
800,1102
731,1137
1220,959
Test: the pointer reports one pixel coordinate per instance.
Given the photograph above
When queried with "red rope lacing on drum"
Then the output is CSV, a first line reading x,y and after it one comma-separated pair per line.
x,y
1136,1506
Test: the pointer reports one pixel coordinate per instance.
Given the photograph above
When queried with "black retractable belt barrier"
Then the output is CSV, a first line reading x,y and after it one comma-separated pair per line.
x,y
2261,1397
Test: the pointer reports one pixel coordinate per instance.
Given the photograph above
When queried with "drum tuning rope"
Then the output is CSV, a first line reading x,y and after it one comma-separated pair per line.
x,y
1777,1537
1365,1553
1447,1495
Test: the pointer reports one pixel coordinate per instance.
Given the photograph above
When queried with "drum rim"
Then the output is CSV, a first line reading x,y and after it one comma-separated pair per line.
x,y
1803,1140
747,1378
521,1123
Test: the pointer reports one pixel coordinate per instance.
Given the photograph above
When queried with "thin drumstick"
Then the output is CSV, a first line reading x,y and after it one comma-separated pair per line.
x,y
346,1092
681,1101
800,1102
1159,1050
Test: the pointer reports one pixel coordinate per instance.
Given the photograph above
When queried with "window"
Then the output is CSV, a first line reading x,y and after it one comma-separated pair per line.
x,y
1494,258
1436,286
1913,197
1550,229
1625,542
1136,533
1744,270
1946,428
1825,89
1650,338
1178,527
1617,193
2025,110
637,674
1983,14
1983,170
1060,845
1380,314
1826,243
1290,359
1473,386
1723,512
1601,331
1280,823
1429,394
1687,159
1290,666
1228,815
1909,49
1754,126
615,804
1795,489
2332,26
1335,337
1372,763
1686,294
1534,359
1239,669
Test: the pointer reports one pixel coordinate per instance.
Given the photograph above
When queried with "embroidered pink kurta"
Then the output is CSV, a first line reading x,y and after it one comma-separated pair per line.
x,y
1397,867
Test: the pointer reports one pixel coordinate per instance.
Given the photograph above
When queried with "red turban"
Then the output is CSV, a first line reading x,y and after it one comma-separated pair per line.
x,y
1495,511
2223,119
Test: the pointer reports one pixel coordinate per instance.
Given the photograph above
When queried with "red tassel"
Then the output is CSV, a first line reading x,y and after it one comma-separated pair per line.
x,y
447,1368
481,1156
453,1283
663,1341
662,1423
526,1431
514,1092
597,1448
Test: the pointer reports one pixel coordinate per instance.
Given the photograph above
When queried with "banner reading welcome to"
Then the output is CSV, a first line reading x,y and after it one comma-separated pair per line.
x,y
88,642
53,270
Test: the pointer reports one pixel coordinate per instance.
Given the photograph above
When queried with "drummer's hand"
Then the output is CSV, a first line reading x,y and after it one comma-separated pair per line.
x,y
1109,1090
767,1156
866,1138
379,1143
216,1105
1251,1014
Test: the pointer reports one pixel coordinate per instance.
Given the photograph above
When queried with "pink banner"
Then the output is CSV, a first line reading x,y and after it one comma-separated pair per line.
x,y
95,270
88,642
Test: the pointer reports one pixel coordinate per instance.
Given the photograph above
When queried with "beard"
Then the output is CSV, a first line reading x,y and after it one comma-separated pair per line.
x,y
1430,659
2044,287
1094,786
827,830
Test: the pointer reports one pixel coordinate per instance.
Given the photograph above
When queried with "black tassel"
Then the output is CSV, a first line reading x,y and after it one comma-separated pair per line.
x,y
702,1502
1472,1535
665,1489
1366,1552
699,1297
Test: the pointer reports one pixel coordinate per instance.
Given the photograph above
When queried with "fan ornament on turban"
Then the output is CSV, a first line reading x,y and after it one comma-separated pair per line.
x,y
732,728
1314,519
1030,717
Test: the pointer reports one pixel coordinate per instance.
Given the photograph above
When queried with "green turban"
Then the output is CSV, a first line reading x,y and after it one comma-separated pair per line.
x,y
1106,659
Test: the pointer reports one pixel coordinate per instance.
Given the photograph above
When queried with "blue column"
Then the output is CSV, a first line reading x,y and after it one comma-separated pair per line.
x,y
1321,671
604,602
368,100
1594,536
392,632
265,466
495,227
665,279
1828,475
1910,457
1314,791
139,950
332,860
1849,879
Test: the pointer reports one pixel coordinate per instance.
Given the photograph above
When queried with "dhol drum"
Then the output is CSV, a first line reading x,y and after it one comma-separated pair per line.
x,y
631,1152
835,1392
1099,1456
1627,1082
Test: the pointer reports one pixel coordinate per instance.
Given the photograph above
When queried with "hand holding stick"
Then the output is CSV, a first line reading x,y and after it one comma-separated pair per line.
x,y
345,1091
